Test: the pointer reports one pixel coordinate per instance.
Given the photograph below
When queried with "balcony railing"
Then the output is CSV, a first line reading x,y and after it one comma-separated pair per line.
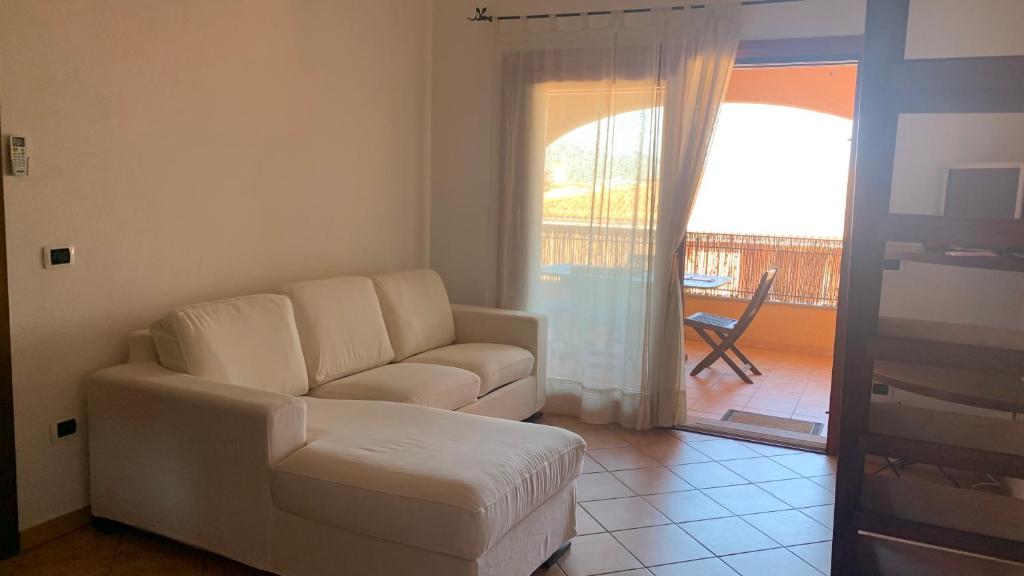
x,y
808,267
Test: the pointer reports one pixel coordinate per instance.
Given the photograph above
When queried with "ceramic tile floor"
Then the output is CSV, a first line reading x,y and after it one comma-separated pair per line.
x,y
791,385
660,503
674,503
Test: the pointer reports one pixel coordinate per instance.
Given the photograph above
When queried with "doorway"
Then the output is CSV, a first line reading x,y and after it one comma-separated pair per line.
x,y
774,195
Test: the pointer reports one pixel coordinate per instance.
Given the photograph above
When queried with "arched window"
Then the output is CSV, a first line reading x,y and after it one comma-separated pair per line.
x,y
773,194
775,171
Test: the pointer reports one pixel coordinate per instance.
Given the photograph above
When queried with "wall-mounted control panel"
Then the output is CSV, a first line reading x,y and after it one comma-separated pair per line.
x,y
63,429
60,256
17,155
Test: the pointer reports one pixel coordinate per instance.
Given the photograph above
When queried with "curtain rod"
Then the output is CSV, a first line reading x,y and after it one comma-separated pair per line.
x,y
482,15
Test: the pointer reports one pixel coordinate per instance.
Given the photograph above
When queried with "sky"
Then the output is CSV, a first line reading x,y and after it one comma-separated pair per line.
x,y
775,170
772,170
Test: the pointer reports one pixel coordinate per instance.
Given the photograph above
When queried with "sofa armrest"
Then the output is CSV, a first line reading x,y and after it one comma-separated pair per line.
x,y
497,326
493,325
186,457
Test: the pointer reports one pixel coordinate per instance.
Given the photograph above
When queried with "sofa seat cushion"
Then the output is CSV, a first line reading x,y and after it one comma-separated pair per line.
x,y
341,327
443,481
495,364
431,385
249,341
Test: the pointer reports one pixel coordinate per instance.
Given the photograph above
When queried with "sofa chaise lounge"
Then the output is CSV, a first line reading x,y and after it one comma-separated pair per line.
x,y
346,426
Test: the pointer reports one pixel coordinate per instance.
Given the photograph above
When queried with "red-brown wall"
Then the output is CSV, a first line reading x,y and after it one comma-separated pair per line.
x,y
831,89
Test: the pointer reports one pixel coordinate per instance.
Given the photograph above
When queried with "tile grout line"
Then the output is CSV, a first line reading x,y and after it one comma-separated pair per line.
x,y
746,482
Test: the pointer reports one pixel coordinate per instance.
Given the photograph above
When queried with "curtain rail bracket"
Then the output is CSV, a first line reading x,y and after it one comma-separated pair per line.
x,y
481,16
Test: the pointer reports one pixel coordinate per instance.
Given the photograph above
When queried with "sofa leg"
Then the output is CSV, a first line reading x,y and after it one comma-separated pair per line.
x,y
107,526
534,417
558,554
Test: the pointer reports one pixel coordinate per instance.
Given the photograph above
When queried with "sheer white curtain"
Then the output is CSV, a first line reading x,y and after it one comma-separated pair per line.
x,y
700,62
588,228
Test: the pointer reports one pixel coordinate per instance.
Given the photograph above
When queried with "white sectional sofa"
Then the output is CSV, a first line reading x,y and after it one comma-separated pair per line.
x,y
338,428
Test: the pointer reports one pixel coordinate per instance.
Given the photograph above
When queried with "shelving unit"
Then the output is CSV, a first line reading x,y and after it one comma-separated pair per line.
x,y
1004,262
965,441
968,387
887,525
954,518
881,556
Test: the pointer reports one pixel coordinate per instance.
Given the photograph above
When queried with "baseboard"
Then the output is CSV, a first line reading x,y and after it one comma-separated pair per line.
x,y
52,529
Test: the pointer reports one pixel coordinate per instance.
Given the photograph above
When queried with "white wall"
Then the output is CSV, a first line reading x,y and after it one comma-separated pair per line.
x,y
463,208
958,29
192,150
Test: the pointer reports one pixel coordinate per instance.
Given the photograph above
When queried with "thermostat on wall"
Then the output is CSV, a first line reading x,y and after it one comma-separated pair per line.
x,y
17,148
58,256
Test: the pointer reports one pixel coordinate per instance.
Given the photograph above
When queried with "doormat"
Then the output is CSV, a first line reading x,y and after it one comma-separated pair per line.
x,y
765,421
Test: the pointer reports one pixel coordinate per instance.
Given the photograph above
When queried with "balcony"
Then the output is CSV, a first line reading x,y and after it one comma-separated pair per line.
x,y
799,316
808,267
792,337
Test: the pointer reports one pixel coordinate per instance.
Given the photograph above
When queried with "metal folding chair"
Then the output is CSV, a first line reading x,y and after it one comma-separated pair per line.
x,y
729,330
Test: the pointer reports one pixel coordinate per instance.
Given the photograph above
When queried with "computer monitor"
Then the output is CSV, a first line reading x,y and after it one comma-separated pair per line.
x,y
984,191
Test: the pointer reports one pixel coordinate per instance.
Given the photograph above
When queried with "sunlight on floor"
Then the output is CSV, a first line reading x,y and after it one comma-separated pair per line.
x,y
792,386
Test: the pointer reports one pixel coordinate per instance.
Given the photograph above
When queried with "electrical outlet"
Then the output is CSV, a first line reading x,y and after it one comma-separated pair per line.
x,y
63,429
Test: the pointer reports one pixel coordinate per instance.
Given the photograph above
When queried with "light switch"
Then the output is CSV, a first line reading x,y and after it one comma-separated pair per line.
x,y
58,256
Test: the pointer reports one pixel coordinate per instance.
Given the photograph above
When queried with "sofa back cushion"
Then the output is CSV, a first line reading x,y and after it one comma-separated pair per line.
x,y
249,341
416,311
341,327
